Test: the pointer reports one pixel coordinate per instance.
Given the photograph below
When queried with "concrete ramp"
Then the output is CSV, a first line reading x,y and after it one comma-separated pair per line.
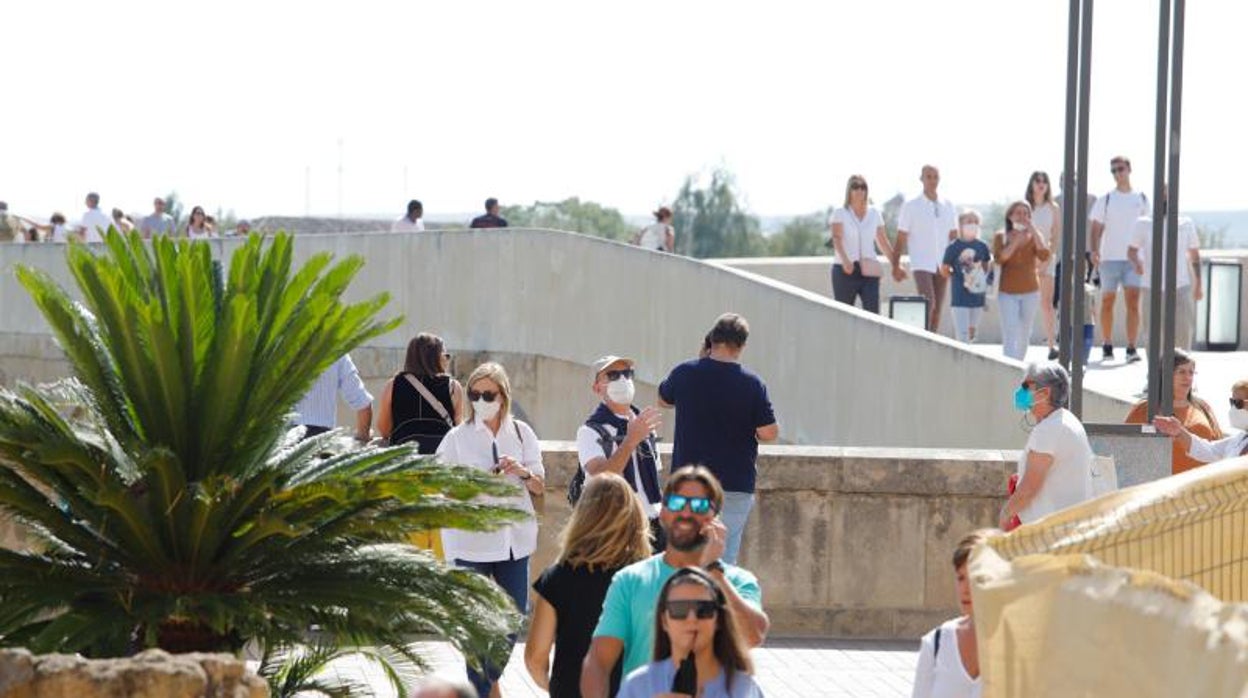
x,y
837,375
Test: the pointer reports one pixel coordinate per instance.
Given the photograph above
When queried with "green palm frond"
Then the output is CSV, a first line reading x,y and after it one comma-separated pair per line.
x,y
172,506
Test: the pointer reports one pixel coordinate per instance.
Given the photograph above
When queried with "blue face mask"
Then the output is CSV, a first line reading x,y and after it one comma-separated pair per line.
x,y
1023,399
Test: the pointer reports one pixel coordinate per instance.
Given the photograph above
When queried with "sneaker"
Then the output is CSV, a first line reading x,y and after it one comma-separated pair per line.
x,y
1107,352
1132,356
1053,354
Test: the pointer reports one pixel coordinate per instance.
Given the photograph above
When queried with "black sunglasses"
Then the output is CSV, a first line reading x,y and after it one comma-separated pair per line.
x,y
702,608
858,185
487,395
618,374
1237,403
1118,168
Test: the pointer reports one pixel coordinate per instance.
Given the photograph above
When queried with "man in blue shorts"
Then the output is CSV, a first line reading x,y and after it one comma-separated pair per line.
x,y
1113,225
695,538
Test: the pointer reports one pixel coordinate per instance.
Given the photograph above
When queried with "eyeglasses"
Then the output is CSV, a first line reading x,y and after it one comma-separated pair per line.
x,y
1237,403
616,375
487,395
703,609
1118,168
678,502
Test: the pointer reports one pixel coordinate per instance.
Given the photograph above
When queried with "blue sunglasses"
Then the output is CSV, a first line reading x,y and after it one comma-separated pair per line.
x,y
678,502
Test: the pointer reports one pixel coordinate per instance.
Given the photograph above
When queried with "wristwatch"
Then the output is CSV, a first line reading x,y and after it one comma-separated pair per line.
x,y
714,566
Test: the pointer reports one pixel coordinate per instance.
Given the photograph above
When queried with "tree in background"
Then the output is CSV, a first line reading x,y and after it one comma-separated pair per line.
x,y
174,207
710,221
571,214
803,236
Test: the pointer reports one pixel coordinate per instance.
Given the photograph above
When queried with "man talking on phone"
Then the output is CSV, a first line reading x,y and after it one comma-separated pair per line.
x,y
692,499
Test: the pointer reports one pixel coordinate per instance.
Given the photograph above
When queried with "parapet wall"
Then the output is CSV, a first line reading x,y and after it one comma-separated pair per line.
x,y
846,542
836,375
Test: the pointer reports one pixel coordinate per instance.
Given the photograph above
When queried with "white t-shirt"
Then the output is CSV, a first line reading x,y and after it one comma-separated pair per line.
x,y
472,444
1069,481
654,237
1044,217
1142,240
588,447
858,234
943,675
201,234
96,223
404,225
1118,212
928,223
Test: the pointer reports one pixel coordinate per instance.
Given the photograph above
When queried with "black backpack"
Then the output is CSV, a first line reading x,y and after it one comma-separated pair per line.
x,y
577,483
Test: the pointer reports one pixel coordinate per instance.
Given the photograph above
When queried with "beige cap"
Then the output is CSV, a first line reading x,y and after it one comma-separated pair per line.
x,y
606,361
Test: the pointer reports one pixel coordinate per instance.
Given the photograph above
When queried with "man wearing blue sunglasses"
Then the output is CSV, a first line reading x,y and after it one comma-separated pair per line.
x,y
695,538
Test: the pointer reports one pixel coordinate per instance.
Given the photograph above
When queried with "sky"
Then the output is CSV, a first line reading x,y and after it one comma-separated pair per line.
x,y
255,106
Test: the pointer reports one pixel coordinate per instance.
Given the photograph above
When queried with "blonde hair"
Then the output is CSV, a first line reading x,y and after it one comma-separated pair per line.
x,y
494,372
970,214
608,528
1240,385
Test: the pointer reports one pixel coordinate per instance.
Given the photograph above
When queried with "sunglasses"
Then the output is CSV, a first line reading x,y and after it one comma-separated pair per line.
x,y
616,375
1237,403
1119,168
704,609
678,502
858,185
487,395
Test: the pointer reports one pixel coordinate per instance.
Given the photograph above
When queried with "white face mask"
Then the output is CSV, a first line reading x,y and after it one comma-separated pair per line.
x,y
485,411
621,391
1238,418
970,231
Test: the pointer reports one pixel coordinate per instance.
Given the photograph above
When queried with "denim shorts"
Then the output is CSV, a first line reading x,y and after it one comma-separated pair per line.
x,y
1118,272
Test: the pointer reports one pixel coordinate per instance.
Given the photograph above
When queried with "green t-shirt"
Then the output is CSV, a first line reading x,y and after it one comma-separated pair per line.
x,y
629,609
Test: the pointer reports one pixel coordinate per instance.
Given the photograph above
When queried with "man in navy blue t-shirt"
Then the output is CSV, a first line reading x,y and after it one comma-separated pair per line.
x,y
722,412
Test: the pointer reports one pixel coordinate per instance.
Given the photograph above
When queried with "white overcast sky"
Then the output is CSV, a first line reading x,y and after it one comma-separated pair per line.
x,y
232,103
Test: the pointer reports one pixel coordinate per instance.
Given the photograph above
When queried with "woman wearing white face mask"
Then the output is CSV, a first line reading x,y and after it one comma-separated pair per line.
x,y
1017,249
1207,451
492,440
967,260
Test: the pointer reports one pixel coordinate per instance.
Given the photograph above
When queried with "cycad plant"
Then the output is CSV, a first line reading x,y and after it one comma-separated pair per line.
x,y
172,507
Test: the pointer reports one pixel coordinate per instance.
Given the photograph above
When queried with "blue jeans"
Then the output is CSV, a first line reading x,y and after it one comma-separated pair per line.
x,y
513,577
737,506
1018,314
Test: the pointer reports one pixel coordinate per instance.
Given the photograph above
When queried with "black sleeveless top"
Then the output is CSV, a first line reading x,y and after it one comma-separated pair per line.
x,y
413,418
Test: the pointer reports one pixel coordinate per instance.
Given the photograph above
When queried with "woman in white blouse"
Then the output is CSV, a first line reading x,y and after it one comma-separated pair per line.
x,y
1046,218
197,228
857,228
949,655
659,235
494,441
1207,451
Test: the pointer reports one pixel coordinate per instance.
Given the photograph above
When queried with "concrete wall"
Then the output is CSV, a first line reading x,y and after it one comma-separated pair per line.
x,y
837,375
814,274
846,542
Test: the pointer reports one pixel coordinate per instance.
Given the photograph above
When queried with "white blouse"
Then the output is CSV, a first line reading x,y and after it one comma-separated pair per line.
x,y
857,234
1207,451
472,444
943,675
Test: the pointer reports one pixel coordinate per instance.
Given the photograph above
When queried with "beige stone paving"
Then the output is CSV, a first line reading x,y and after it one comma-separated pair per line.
x,y
785,668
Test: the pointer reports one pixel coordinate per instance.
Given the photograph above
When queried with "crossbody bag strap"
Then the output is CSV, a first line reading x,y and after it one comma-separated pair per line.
x,y
429,398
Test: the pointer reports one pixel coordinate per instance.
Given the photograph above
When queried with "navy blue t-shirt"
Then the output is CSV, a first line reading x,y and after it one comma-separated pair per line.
x,y
719,405
961,256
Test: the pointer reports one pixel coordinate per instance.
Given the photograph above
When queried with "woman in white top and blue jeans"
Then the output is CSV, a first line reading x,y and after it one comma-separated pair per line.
x,y
949,655
857,228
491,440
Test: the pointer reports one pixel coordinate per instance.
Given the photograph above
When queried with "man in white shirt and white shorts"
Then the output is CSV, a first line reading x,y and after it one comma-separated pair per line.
x,y
1187,285
927,224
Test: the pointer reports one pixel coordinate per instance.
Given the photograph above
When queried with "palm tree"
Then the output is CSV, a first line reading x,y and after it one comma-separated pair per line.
x,y
171,505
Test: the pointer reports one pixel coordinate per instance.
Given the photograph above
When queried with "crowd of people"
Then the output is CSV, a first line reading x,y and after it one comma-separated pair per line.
x,y
93,223
947,248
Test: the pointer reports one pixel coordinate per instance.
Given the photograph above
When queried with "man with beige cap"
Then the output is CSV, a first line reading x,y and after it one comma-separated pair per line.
x,y
620,438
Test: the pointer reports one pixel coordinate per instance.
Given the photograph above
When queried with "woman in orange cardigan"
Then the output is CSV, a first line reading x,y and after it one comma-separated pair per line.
x,y
1193,413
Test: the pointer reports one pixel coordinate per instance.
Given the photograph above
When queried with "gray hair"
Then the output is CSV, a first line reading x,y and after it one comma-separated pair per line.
x,y
1053,376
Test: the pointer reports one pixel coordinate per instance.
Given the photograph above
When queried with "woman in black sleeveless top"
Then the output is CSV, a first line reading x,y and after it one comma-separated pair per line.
x,y
405,414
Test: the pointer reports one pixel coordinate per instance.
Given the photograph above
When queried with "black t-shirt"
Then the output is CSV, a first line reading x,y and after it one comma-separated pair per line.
x,y
488,220
719,405
576,595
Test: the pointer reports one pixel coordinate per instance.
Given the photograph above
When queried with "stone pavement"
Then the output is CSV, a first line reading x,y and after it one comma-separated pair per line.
x,y
786,668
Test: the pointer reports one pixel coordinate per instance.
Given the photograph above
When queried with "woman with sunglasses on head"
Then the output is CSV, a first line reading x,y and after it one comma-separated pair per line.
x,y
1046,217
1203,450
698,648
1193,413
423,402
857,229
608,530
494,441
